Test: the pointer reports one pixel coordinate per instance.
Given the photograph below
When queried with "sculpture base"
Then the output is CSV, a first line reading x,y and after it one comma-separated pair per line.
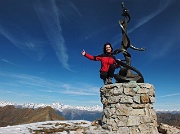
x,y
125,74
128,108
123,79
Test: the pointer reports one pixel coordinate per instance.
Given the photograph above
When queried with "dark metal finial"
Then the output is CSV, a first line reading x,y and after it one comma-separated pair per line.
x,y
125,73
122,5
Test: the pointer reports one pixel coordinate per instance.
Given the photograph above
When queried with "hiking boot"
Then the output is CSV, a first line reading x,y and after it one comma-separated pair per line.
x,y
105,82
109,81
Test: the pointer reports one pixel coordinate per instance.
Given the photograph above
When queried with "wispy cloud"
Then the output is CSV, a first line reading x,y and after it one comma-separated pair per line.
x,y
167,48
68,10
48,14
22,40
2,91
73,90
80,89
38,84
81,92
9,62
169,95
24,80
162,6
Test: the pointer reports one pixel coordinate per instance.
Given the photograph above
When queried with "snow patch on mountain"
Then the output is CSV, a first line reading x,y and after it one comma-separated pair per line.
x,y
60,107
57,106
168,111
33,127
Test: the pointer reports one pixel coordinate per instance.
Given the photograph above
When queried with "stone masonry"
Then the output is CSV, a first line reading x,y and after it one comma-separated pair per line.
x,y
128,108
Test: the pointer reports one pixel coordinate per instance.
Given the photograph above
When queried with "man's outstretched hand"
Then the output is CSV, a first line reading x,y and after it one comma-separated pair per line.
x,y
83,52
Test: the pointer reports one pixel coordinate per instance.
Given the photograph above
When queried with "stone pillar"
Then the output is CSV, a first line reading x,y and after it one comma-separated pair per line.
x,y
128,108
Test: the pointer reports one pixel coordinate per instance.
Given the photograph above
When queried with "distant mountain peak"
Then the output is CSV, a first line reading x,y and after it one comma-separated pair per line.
x,y
58,106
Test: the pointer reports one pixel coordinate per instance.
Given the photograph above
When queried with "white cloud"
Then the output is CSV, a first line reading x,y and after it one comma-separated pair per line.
x,y
22,40
80,89
48,14
38,84
147,18
161,51
170,95
73,92
9,62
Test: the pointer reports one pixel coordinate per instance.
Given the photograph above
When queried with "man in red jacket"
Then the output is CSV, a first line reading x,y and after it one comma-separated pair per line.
x,y
108,63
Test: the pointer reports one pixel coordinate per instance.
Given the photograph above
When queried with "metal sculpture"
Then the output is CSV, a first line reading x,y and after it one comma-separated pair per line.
x,y
125,74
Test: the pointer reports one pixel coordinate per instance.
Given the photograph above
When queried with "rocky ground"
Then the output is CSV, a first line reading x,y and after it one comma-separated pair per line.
x,y
73,127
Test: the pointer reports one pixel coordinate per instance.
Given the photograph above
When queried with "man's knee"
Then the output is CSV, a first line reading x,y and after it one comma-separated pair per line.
x,y
103,75
112,67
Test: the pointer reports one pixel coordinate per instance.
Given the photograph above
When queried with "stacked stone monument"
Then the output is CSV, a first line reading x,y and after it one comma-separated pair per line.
x,y
128,104
128,108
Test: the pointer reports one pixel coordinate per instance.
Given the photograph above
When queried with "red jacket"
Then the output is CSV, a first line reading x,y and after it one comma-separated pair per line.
x,y
106,60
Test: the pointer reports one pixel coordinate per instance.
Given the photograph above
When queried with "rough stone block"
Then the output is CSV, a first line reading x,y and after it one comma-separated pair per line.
x,y
152,99
136,88
137,112
123,109
147,119
133,121
136,99
151,92
123,130
145,99
142,91
134,130
126,100
129,91
113,99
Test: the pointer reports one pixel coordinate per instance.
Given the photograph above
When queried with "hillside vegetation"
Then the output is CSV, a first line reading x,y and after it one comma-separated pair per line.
x,y
9,115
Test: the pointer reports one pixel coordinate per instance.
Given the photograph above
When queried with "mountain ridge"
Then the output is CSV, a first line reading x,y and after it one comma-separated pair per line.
x,y
91,114
9,115
60,107
57,106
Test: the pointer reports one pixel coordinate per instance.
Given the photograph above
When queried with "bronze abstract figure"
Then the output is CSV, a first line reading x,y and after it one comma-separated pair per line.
x,y
125,74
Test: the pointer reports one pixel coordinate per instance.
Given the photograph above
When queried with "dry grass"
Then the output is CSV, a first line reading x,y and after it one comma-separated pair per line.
x,y
59,127
9,115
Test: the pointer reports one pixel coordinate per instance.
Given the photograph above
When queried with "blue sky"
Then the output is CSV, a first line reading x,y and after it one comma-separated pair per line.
x,y
41,43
